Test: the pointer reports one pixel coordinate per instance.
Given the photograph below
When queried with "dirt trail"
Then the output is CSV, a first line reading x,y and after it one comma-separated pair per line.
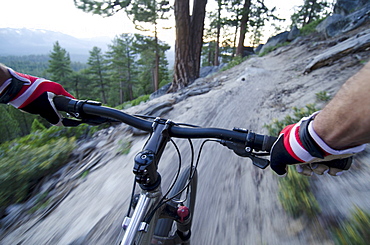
x,y
236,203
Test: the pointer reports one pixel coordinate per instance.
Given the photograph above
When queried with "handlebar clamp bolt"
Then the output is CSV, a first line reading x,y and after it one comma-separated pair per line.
x,y
248,149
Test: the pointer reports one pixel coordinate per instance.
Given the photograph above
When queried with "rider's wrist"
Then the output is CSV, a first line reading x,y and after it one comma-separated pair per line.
x,y
326,148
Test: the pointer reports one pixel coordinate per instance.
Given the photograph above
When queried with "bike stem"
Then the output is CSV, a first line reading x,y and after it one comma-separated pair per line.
x,y
146,161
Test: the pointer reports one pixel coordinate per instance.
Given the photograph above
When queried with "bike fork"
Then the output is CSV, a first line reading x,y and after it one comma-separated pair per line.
x,y
135,228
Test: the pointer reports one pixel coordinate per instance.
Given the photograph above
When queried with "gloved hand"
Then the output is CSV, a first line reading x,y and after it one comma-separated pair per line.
x,y
299,144
34,95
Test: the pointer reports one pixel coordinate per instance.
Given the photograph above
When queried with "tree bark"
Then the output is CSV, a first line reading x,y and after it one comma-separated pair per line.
x,y
197,28
243,27
217,50
189,40
182,45
156,65
156,71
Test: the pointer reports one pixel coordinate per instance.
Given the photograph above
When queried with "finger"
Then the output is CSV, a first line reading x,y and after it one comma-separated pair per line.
x,y
42,106
319,169
280,169
277,158
304,169
335,171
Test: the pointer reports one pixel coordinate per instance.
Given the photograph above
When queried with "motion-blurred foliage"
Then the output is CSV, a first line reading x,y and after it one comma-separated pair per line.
x,y
295,195
276,126
297,199
24,161
355,231
294,190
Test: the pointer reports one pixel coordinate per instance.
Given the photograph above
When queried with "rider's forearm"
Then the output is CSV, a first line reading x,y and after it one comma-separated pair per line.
x,y
345,121
4,74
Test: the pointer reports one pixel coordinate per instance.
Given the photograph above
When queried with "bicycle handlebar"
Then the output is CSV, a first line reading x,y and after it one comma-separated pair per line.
x,y
241,141
248,139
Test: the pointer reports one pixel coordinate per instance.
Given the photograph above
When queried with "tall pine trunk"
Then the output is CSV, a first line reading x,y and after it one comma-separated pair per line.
x,y
243,27
102,87
217,49
156,62
189,40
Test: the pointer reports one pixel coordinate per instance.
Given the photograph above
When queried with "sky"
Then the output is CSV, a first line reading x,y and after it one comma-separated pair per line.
x,y
63,16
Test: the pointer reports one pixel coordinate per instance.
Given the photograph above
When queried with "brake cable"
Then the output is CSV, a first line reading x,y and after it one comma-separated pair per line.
x,y
163,200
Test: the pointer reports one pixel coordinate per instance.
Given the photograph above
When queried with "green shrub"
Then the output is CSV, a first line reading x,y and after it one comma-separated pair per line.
x,y
355,231
24,161
134,102
138,100
125,146
270,49
234,62
294,190
36,126
311,27
276,126
295,195
323,96
162,83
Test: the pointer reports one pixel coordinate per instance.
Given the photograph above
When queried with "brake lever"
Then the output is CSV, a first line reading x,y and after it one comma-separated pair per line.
x,y
262,163
246,152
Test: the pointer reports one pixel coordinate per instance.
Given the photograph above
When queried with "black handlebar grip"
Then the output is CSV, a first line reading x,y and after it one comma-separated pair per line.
x,y
268,142
61,103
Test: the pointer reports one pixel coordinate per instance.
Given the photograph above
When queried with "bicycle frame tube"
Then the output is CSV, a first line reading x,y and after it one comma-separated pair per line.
x,y
137,230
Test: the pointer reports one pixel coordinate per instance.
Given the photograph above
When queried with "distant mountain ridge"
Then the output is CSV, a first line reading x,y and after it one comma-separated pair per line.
x,y
23,41
36,41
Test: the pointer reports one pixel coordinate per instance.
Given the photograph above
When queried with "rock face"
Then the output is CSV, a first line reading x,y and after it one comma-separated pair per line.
x,y
287,36
345,7
359,42
248,51
332,25
204,72
344,20
293,34
163,90
275,40
348,15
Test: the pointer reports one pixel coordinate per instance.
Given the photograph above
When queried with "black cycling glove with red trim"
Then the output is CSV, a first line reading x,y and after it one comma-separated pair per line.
x,y
34,95
299,144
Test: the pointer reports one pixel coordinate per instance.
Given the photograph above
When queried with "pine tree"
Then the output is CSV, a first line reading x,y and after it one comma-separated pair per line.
x,y
189,31
9,126
243,26
121,59
189,41
246,17
151,70
217,23
150,12
60,66
258,16
98,73
310,11
208,53
83,86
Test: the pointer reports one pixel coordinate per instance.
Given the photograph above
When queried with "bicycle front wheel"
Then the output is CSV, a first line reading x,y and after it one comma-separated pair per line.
x,y
165,227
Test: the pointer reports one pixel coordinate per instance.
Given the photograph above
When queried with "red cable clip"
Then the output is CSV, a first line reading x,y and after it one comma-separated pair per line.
x,y
183,212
